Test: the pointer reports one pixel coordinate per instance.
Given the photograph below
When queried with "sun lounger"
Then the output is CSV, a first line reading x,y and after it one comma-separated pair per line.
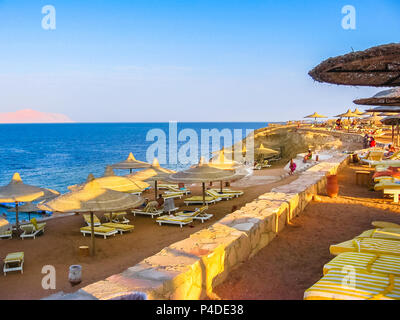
x,y
170,219
385,224
198,214
199,200
236,193
223,196
120,227
99,231
381,233
14,262
166,186
369,262
117,217
172,195
178,190
96,220
32,229
338,285
6,234
149,210
367,245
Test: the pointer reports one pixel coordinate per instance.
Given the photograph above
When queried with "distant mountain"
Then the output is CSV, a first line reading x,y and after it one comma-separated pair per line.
x,y
32,116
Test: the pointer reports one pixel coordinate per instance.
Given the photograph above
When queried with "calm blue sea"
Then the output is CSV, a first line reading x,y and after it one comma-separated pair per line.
x,y
58,155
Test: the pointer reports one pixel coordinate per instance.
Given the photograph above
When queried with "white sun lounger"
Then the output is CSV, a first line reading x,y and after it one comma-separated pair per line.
x,y
149,210
198,214
223,196
6,234
199,200
99,231
170,219
96,220
14,262
30,231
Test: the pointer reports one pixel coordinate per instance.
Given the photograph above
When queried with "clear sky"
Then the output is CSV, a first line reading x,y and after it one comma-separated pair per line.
x,y
183,60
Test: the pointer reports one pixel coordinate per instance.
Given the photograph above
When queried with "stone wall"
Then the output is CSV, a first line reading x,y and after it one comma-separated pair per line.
x,y
191,268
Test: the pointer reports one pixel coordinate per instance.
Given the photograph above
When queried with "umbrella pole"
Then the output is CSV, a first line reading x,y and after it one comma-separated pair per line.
x,y
16,216
397,134
155,188
392,133
348,126
92,249
204,193
221,185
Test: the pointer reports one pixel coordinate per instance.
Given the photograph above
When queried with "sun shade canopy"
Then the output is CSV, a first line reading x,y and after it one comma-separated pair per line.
x,y
378,66
92,198
131,163
389,97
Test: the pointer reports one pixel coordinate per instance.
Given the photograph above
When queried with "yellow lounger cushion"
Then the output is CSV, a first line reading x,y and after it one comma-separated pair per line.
x,y
200,198
367,245
385,233
120,226
16,256
384,224
337,285
100,229
174,218
369,262
87,218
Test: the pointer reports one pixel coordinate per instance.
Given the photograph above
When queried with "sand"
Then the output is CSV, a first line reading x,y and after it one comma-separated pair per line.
x,y
59,245
293,261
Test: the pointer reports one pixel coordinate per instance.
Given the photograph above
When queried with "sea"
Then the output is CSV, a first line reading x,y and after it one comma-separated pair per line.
x,y
59,155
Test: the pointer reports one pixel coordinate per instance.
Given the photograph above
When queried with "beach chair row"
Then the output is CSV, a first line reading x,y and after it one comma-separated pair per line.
x,y
29,230
365,268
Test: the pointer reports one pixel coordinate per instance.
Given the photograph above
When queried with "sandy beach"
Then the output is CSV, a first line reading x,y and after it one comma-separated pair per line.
x,y
59,244
293,261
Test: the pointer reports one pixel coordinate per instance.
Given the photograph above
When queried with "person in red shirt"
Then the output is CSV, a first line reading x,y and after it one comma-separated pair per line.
x,y
372,143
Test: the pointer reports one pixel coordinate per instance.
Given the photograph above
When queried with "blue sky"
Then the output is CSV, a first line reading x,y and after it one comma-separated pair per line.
x,y
183,60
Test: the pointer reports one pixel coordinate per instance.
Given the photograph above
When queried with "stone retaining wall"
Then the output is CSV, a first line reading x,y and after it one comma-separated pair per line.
x,y
191,268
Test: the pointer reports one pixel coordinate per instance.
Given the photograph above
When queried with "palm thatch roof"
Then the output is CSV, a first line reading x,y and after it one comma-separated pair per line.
x,y
348,114
378,67
389,97
391,120
92,198
315,115
131,163
388,109
18,191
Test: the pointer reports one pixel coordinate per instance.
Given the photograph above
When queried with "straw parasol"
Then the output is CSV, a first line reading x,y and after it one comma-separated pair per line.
x,y
315,115
116,183
378,67
356,111
130,163
393,121
373,118
154,173
223,163
92,198
17,191
389,97
28,207
261,150
203,173
349,114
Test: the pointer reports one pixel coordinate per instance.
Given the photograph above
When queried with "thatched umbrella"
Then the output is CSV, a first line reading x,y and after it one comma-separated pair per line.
x,y
28,207
389,97
113,182
349,114
263,151
393,121
92,198
378,67
315,115
202,173
154,173
356,111
131,163
17,191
